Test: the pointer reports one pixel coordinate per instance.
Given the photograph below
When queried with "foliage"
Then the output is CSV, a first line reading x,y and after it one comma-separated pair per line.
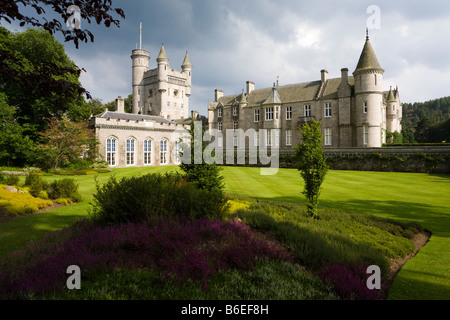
x,y
19,203
349,282
64,188
49,78
394,137
11,180
341,238
66,141
154,195
196,170
35,183
180,250
312,164
15,144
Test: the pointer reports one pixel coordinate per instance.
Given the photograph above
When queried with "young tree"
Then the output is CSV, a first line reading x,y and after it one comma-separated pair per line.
x,y
312,164
197,171
66,141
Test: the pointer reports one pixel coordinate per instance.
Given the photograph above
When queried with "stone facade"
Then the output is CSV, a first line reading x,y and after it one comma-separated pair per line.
x,y
150,135
354,111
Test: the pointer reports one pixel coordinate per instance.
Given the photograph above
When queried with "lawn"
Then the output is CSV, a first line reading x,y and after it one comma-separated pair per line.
x,y
421,198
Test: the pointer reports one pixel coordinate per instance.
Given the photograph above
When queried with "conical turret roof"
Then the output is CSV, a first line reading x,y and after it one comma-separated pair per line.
x,y
162,53
368,59
186,62
390,97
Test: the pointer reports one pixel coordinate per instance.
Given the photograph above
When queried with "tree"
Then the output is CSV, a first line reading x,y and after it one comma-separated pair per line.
x,y
16,147
33,91
311,164
11,64
67,141
197,171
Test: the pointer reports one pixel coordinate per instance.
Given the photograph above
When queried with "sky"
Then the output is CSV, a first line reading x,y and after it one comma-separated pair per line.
x,y
231,42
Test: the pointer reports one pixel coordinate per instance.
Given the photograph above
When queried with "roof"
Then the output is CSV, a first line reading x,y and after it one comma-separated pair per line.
x,y
132,117
186,62
301,92
368,60
162,53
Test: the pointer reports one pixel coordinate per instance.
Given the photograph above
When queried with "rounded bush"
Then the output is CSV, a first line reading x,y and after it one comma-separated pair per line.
x,y
146,197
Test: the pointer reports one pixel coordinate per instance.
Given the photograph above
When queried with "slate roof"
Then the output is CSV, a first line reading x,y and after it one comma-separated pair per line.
x,y
301,92
368,60
132,117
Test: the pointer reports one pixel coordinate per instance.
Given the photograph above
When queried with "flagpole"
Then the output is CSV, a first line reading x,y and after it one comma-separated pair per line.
x,y
140,36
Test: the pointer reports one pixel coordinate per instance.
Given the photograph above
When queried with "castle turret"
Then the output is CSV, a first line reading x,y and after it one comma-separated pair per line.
x,y
369,98
140,58
163,69
393,112
187,69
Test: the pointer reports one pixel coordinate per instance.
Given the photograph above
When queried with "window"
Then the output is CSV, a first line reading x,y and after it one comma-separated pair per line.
x,y
111,151
327,136
168,105
256,116
175,93
150,92
276,112
182,106
365,107
235,111
288,113
327,110
219,112
269,114
307,110
235,141
269,138
150,107
289,137
256,139
177,150
130,152
147,152
365,135
219,126
235,126
163,152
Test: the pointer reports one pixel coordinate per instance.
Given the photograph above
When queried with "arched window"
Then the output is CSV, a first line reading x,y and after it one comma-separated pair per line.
x,y
163,152
130,151
147,152
111,151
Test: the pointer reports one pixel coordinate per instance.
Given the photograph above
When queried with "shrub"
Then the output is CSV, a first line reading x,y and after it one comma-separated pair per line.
x,y
154,195
43,194
64,201
2,177
64,188
180,250
11,180
21,203
349,281
35,183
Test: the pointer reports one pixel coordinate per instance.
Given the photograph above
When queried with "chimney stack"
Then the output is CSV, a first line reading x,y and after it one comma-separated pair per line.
x,y
344,75
218,94
250,87
324,75
120,105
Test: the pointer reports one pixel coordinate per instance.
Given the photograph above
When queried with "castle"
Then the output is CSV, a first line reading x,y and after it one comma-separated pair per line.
x,y
150,135
354,111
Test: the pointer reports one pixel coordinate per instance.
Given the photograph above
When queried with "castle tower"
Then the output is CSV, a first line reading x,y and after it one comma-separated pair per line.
x,y
140,58
369,98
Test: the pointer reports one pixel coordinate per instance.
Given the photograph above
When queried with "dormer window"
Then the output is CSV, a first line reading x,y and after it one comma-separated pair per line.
x,y
220,112
235,111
